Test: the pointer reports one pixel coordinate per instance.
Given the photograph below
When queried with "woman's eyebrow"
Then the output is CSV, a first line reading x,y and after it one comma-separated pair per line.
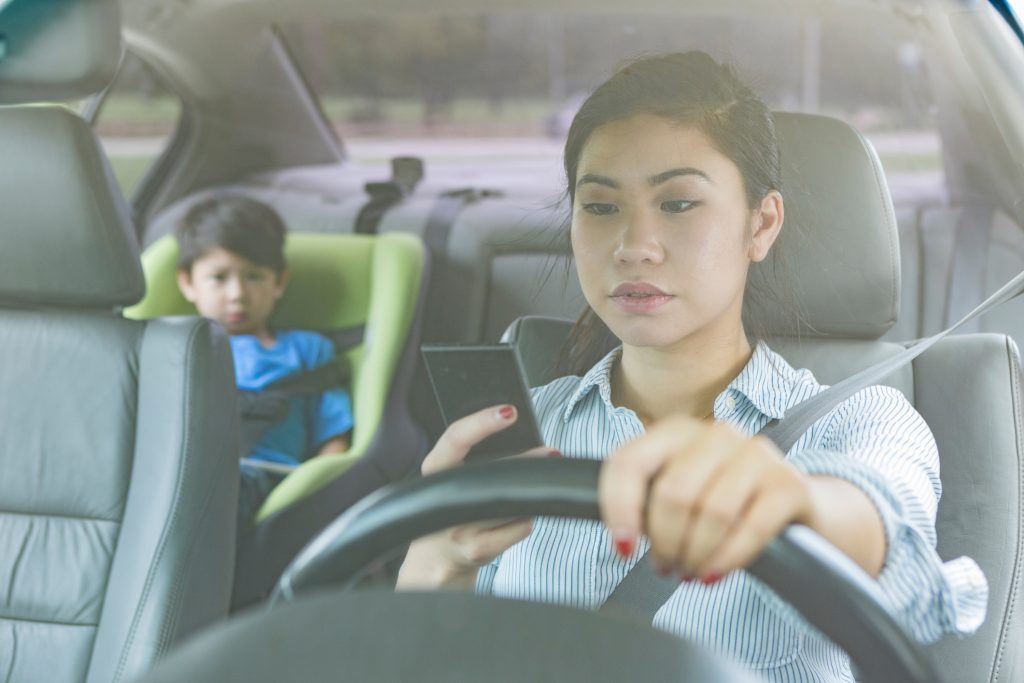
x,y
674,172
596,179
653,180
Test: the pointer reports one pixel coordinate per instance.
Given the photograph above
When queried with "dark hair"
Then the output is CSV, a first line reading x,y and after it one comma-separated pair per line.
x,y
689,88
234,223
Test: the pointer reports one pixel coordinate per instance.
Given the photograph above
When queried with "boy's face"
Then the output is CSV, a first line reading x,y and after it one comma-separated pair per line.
x,y
232,290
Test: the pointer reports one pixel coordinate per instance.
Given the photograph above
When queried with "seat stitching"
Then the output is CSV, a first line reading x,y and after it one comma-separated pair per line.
x,y
175,599
1016,575
49,515
14,569
171,519
49,622
919,232
14,655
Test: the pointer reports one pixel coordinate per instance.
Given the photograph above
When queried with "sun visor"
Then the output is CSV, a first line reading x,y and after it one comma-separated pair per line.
x,y
56,50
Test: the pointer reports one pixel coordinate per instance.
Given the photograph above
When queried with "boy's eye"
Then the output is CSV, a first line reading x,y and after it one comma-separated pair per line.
x,y
600,209
218,277
255,277
676,206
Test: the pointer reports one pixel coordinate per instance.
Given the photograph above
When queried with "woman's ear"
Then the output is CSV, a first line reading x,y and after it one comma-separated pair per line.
x,y
188,291
767,224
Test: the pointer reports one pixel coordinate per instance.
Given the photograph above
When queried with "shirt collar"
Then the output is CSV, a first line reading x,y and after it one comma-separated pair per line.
x,y
765,382
599,376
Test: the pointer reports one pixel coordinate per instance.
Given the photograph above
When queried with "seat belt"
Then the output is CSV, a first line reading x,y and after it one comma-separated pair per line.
x,y
259,410
642,592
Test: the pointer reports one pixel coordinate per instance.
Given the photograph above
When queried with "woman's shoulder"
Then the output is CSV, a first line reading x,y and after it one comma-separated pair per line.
x,y
801,384
874,409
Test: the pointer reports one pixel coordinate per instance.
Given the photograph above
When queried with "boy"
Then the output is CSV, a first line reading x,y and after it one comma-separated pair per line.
x,y
231,267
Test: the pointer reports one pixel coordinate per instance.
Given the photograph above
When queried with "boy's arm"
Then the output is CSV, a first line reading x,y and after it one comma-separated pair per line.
x,y
331,416
337,444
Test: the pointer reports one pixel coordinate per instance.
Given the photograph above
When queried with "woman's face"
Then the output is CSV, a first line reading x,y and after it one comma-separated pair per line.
x,y
662,233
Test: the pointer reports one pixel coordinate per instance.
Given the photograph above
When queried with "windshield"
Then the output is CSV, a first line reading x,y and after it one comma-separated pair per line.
x,y
511,82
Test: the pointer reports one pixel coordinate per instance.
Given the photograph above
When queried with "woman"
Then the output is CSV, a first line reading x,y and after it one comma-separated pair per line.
x,y
673,172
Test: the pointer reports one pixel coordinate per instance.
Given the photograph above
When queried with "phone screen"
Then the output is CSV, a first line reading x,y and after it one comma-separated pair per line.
x,y
468,378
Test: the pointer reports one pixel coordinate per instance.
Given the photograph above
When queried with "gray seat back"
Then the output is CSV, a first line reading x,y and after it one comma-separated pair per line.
x,y
933,260
119,481
845,272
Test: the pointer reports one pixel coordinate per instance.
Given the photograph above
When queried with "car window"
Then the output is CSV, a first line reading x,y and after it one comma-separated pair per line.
x,y
500,89
135,122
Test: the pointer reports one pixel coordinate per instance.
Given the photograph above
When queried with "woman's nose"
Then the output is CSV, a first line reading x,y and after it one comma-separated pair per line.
x,y
639,241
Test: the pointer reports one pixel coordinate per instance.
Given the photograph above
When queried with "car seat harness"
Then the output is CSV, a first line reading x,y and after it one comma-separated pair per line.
x,y
261,410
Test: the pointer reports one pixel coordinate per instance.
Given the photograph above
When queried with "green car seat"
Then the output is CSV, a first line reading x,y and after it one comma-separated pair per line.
x,y
338,282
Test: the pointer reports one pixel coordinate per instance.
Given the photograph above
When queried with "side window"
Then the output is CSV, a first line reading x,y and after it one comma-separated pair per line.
x,y
136,121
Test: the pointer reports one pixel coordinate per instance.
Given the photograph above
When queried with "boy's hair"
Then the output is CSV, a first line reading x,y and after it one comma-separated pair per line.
x,y
234,223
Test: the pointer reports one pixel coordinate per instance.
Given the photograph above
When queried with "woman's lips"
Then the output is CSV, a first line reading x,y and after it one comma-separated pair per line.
x,y
639,297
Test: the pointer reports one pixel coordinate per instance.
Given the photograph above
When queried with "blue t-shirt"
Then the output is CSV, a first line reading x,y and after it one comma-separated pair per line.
x,y
312,419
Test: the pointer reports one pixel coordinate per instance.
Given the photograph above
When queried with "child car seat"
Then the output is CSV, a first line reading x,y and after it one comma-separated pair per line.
x,y
338,282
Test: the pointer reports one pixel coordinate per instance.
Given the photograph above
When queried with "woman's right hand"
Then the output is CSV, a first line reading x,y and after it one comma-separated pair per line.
x,y
452,557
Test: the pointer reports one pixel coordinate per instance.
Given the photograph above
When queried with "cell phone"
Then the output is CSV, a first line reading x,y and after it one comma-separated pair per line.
x,y
470,377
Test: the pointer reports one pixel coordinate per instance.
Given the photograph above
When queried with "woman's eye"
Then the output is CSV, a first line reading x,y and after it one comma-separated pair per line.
x,y
599,209
219,277
676,206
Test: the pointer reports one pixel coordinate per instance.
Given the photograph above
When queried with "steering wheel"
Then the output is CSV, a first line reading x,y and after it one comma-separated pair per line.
x,y
514,640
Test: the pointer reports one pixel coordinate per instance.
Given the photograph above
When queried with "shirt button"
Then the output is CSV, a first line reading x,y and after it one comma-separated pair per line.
x,y
730,403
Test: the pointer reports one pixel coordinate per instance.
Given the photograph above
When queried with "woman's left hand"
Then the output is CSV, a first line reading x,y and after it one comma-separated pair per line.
x,y
708,497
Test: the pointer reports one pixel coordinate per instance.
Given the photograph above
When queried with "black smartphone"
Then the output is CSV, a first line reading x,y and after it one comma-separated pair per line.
x,y
470,377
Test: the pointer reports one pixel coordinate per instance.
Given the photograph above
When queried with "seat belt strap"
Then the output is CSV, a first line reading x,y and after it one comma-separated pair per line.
x,y
260,410
642,592
968,264
323,377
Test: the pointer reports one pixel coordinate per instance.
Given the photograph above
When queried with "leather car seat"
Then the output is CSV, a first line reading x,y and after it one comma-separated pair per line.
x,y
120,478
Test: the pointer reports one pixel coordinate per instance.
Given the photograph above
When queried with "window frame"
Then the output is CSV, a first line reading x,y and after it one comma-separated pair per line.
x,y
147,189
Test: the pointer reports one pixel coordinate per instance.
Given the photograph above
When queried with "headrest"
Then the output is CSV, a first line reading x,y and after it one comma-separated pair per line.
x,y
58,49
66,231
838,248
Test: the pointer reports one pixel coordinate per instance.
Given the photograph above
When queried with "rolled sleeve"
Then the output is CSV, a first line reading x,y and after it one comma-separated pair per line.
x,y
880,444
485,578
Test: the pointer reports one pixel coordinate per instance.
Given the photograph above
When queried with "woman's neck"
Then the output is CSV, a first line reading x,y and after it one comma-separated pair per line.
x,y
683,379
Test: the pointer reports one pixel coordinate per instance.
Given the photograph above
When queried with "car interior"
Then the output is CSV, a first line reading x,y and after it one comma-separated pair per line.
x,y
122,419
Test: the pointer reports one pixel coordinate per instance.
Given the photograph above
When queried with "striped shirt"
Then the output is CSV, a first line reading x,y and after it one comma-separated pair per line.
x,y
875,440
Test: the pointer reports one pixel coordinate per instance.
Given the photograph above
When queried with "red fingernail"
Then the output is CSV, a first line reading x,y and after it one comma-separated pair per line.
x,y
711,579
555,454
624,547
507,413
